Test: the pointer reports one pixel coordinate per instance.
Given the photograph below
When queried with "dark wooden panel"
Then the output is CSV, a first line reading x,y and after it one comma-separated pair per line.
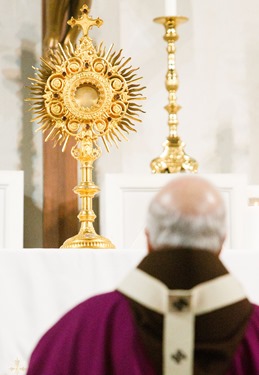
x,y
60,202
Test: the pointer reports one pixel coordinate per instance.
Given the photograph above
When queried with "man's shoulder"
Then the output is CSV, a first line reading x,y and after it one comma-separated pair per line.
x,y
98,304
87,316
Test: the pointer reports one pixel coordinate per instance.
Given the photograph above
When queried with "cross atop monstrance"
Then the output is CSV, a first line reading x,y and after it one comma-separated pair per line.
x,y
85,21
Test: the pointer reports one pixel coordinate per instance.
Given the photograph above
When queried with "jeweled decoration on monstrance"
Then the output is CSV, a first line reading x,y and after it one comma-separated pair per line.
x,y
86,93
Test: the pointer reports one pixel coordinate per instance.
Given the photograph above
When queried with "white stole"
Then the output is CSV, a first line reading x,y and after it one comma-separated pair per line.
x,y
179,308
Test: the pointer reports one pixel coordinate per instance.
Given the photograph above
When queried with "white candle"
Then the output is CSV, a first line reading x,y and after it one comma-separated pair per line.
x,y
170,8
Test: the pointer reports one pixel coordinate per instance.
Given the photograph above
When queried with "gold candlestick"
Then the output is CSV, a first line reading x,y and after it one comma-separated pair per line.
x,y
86,93
173,159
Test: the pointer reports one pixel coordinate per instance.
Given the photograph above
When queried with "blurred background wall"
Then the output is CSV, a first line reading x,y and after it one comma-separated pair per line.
x,y
217,63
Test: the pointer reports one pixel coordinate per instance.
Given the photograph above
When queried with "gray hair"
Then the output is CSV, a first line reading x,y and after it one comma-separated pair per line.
x,y
171,228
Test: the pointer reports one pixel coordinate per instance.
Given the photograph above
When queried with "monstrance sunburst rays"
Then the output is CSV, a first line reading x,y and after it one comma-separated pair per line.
x,y
86,93
106,79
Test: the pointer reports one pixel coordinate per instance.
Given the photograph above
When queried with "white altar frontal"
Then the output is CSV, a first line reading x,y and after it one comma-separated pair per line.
x,y
38,286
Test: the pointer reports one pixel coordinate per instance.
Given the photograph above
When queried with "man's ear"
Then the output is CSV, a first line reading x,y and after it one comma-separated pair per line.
x,y
149,247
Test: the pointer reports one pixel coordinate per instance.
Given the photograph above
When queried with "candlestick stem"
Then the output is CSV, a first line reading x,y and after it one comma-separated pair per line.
x,y
86,152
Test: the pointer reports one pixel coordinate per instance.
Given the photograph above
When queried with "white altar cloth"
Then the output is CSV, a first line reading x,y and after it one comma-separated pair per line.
x,y
37,286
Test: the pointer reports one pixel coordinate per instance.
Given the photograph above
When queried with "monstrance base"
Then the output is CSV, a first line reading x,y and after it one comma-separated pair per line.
x,y
87,241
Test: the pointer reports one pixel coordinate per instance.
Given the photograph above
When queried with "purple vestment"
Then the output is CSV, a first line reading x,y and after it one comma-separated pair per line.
x,y
98,337
246,358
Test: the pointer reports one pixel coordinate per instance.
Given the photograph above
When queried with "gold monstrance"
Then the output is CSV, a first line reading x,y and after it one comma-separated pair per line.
x,y
173,159
86,93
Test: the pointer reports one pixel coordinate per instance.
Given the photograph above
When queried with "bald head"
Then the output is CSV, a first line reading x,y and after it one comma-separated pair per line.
x,y
187,212
190,195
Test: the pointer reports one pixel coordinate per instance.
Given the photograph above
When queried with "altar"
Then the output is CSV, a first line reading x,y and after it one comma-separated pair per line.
x,y
38,286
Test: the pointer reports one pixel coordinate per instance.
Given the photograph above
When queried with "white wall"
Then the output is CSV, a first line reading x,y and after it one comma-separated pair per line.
x,y
217,63
20,148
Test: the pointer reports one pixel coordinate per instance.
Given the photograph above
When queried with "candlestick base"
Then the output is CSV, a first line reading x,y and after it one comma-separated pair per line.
x,y
173,159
